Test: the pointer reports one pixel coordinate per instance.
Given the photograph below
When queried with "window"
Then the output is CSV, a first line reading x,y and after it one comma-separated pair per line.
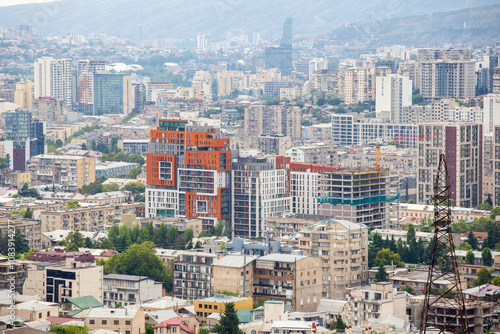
x,y
104,322
92,321
40,315
174,329
127,332
116,322
127,322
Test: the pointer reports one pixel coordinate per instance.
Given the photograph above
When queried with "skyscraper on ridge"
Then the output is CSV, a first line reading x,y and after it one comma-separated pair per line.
x,y
281,57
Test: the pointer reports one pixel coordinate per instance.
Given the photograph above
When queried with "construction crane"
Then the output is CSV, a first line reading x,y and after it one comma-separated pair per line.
x,y
377,156
444,307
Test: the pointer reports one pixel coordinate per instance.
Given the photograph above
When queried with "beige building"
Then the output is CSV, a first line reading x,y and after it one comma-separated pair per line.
x,y
271,120
357,84
16,269
290,93
72,172
317,153
293,279
16,178
496,166
343,248
57,282
365,304
229,81
320,132
324,80
88,218
234,273
128,320
33,310
274,144
24,94
479,315
32,229
203,81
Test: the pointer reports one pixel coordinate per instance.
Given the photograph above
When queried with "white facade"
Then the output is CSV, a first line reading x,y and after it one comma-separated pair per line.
x,y
491,109
317,64
393,92
53,77
305,189
129,290
350,130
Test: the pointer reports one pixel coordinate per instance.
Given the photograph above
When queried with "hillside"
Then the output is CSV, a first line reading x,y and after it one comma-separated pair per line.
x,y
477,27
188,18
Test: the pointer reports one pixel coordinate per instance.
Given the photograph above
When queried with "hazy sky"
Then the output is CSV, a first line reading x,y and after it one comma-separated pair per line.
x,y
21,2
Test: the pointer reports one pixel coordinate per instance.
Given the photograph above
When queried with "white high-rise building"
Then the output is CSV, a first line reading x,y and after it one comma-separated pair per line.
x,y
203,43
393,92
53,77
491,109
317,64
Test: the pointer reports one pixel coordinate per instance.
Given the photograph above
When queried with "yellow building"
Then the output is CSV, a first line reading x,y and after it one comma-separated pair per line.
x,y
72,172
216,304
24,93
17,178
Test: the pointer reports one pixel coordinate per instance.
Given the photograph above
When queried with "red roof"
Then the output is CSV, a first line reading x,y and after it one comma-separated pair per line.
x,y
61,320
174,322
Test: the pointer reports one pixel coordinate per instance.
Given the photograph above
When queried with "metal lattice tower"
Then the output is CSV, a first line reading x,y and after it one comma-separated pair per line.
x,y
444,309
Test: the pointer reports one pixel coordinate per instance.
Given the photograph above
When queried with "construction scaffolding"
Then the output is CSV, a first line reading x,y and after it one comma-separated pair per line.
x,y
443,267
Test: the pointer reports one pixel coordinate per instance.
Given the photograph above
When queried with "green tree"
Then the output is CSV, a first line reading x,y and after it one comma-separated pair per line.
x,y
135,188
72,247
381,275
464,246
139,260
483,277
320,101
469,257
409,289
385,257
340,326
472,240
487,257
496,281
484,206
203,330
110,187
92,188
410,201
149,329
133,173
28,214
68,329
188,235
228,323
72,204
495,212
21,243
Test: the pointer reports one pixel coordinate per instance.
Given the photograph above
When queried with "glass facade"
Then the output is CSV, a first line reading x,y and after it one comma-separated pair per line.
x,y
108,94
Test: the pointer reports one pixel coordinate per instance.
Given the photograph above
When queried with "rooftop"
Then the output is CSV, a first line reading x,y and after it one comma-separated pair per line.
x,y
220,298
234,261
119,313
127,277
288,258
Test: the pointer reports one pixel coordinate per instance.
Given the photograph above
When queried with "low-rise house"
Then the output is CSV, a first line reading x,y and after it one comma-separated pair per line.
x,y
205,307
73,306
165,303
129,290
32,310
127,320
172,326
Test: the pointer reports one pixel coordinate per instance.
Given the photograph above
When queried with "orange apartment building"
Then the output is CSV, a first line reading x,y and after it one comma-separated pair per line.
x,y
188,173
